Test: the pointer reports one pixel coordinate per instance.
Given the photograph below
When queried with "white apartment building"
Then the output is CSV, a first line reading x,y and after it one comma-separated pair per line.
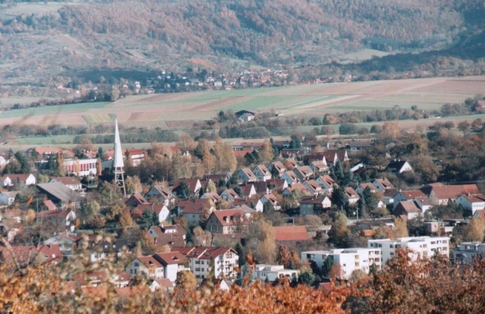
x,y
421,246
273,272
348,259
223,262
467,251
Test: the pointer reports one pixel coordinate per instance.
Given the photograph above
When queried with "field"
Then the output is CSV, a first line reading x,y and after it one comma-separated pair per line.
x,y
181,110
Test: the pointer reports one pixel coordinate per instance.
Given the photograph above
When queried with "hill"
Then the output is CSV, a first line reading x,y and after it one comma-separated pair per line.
x,y
42,43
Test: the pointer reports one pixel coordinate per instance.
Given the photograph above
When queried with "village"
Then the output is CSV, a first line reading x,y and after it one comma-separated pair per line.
x,y
307,211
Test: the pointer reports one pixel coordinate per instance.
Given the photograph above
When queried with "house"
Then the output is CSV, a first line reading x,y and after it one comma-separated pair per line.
x,y
319,167
221,261
349,260
245,115
102,250
383,184
227,221
136,199
117,278
358,146
161,284
290,234
160,210
276,185
246,175
327,183
303,173
290,177
196,210
468,251
159,265
7,198
59,194
136,156
249,190
360,189
212,196
421,199
24,255
314,205
271,273
398,166
66,241
439,194
471,202
10,180
425,247
408,209
168,235
229,195
262,173
70,182
270,199
57,217
278,165
80,167
161,193
313,187
193,185
352,196
329,157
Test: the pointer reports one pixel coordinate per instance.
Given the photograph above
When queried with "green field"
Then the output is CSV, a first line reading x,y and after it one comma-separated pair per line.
x,y
161,110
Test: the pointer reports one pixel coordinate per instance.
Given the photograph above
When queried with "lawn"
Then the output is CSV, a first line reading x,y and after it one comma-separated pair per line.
x,y
53,110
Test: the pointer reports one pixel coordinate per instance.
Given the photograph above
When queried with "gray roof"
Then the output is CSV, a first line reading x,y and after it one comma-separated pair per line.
x,y
58,191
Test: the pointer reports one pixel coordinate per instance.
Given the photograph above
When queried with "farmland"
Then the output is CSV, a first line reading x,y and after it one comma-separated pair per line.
x,y
180,110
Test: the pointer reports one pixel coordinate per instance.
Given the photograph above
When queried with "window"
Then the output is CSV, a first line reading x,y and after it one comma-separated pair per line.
x,y
377,252
344,265
392,253
391,246
357,264
197,269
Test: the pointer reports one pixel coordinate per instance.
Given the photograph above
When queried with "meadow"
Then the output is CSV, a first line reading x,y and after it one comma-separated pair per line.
x,y
179,110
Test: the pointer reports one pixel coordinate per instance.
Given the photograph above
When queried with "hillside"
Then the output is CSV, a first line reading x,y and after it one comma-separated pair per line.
x,y
40,42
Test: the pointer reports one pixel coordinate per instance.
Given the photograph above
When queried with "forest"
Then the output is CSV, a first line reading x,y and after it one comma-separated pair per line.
x,y
148,35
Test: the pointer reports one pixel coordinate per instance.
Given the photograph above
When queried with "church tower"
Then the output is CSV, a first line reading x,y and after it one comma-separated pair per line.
x,y
118,164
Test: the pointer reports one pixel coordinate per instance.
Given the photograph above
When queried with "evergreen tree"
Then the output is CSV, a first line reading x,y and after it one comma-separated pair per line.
x,y
183,190
240,253
234,177
239,191
306,277
339,198
327,266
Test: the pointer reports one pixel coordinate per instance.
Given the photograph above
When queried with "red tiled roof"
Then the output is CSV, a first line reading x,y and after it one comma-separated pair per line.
x,y
290,233
170,258
50,205
230,214
191,183
67,180
137,212
453,191
194,206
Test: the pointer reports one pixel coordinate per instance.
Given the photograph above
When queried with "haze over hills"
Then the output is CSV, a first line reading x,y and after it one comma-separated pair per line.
x,y
46,43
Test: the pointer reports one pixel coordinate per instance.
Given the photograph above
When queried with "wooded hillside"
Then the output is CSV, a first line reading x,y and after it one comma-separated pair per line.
x,y
136,34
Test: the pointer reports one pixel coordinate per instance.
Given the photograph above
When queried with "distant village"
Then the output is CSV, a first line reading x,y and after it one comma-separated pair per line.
x,y
333,213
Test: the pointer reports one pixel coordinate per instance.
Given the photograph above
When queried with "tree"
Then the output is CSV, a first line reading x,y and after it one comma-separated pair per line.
x,y
125,219
239,191
89,209
295,141
186,279
283,257
357,275
240,252
476,229
24,163
339,234
201,237
390,130
133,185
400,228
339,198
149,218
464,126
347,128
183,190
306,277
266,152
327,266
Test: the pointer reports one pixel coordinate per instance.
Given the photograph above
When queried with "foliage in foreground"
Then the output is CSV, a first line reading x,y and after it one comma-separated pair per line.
x,y
404,286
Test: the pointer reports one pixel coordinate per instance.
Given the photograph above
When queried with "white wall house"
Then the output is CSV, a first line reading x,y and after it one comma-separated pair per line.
x,y
349,259
471,202
16,179
272,272
467,251
160,265
222,262
80,167
421,246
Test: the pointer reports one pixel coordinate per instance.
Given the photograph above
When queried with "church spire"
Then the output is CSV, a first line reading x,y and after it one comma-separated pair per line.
x,y
118,164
